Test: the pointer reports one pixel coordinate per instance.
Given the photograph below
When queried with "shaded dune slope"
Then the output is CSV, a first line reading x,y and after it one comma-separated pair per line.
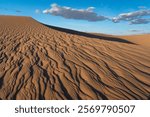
x,y
40,62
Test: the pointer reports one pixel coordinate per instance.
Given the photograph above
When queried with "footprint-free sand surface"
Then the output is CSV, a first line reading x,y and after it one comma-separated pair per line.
x,y
45,62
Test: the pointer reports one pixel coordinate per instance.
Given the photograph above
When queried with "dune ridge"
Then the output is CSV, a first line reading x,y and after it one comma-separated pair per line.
x,y
41,62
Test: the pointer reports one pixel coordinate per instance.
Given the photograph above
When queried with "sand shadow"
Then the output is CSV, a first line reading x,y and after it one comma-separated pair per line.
x,y
107,38
1,82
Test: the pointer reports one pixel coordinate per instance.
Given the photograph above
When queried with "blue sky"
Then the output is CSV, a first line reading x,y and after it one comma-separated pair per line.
x,y
135,18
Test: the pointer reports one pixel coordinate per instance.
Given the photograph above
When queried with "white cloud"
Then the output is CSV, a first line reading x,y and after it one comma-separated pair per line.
x,y
70,13
141,16
18,11
133,17
135,30
142,7
140,21
37,11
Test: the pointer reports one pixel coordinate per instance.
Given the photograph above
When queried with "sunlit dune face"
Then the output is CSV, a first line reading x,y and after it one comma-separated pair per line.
x,y
41,62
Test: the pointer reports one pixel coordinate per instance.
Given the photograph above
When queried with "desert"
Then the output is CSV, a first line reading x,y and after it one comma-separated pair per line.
x,y
41,62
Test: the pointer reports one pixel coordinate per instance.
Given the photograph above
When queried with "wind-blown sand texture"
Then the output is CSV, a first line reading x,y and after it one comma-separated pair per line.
x,y
45,62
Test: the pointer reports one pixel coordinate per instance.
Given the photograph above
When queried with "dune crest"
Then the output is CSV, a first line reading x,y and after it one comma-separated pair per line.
x,y
40,62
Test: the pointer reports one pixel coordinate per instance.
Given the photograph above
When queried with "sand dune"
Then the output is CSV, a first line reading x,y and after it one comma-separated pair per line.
x,y
143,40
45,62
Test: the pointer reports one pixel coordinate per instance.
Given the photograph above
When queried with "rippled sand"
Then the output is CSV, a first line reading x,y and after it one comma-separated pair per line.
x,y
45,62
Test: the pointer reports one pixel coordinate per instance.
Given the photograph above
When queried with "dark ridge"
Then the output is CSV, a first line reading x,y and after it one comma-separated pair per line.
x,y
64,90
107,38
1,82
99,93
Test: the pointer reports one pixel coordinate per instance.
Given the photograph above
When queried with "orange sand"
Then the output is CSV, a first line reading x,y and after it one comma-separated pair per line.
x,y
45,62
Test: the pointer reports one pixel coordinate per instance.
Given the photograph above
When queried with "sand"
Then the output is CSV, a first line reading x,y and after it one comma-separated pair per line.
x,y
45,62
142,39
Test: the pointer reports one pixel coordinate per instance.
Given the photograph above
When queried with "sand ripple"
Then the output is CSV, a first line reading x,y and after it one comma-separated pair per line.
x,y
39,62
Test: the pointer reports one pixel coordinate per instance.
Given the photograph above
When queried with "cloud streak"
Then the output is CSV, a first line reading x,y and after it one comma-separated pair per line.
x,y
78,14
140,21
135,30
37,11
